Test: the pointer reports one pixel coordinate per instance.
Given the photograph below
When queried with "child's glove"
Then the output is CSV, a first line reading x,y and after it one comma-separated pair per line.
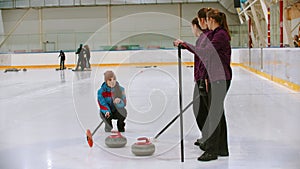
x,y
117,100
107,115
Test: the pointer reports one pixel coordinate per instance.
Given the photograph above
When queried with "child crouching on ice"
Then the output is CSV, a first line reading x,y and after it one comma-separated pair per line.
x,y
112,102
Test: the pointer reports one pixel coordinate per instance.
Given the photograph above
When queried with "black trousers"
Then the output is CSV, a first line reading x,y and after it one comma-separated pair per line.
x,y
62,64
215,127
200,104
119,114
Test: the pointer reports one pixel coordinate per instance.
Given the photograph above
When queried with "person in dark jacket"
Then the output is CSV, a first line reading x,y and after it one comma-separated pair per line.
x,y
216,57
112,102
296,41
200,97
62,60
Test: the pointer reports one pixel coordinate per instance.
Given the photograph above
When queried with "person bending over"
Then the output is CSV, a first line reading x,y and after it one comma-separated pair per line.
x,y
112,102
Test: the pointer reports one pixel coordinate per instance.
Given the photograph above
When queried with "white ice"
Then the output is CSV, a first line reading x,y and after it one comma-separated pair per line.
x,y
44,115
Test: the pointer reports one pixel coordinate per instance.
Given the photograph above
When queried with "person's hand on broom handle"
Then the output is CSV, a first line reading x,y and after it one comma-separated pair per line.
x,y
177,42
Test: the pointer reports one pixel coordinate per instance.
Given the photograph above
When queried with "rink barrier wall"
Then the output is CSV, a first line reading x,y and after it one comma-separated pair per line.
x,y
280,65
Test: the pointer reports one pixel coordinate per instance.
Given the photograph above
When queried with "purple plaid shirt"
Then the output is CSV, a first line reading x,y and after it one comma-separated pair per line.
x,y
215,54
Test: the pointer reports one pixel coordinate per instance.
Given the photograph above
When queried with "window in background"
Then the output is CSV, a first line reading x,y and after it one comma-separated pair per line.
x,y
52,3
66,2
6,4
36,3
22,3
88,2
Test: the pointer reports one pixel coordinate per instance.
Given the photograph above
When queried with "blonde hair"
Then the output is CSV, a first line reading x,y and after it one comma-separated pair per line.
x,y
86,46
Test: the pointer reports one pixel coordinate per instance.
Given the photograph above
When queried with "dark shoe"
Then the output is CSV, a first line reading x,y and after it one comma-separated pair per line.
x,y
223,154
207,157
202,146
196,143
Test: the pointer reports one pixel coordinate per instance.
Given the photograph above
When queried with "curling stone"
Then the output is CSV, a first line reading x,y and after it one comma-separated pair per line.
x,y
116,140
145,148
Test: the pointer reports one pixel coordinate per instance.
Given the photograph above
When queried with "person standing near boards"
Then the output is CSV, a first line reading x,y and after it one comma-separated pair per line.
x,y
200,97
80,61
62,60
299,36
87,56
216,56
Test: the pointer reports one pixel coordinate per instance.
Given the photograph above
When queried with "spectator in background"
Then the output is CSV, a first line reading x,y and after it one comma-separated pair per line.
x,y
87,55
62,60
80,61
299,36
296,41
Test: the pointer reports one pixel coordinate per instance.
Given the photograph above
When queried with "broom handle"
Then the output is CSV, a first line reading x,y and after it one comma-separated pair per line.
x,y
175,118
97,127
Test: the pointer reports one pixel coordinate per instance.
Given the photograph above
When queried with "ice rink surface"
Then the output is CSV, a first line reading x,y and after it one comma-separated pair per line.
x,y
44,115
